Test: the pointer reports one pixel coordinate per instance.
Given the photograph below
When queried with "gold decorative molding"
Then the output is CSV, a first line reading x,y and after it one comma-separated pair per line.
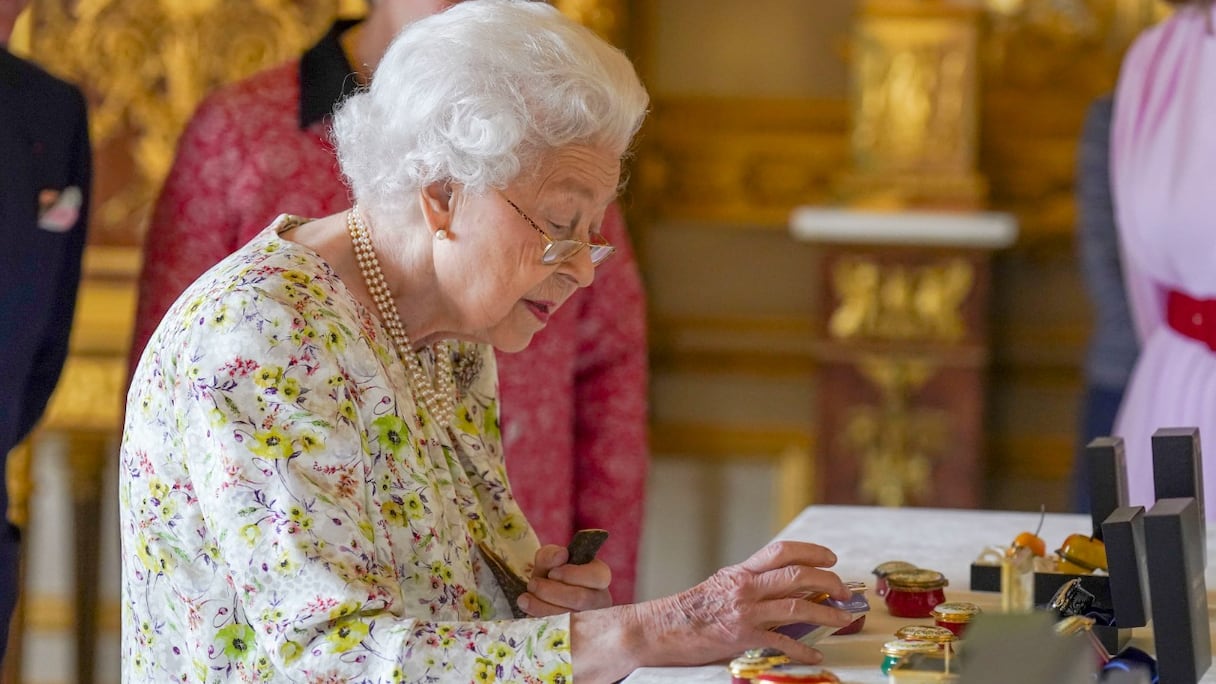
x,y
896,440
1025,352
1043,62
89,395
1047,31
145,65
57,613
744,162
776,347
900,302
914,101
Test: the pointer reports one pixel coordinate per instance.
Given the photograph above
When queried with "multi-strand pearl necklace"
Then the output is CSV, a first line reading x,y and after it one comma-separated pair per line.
x,y
439,397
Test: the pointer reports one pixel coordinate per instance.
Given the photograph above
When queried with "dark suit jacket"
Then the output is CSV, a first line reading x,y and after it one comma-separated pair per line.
x,y
44,149
44,146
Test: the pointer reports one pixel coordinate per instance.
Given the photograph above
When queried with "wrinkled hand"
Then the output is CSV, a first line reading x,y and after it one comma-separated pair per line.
x,y
557,587
734,609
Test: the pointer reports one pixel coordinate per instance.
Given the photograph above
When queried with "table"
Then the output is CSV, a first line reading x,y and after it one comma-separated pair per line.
x,y
945,540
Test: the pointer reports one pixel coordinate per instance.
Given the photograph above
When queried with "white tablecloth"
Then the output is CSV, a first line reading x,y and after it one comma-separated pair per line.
x,y
945,540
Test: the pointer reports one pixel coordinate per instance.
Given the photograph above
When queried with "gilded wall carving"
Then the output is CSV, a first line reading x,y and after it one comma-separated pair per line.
x,y
915,84
1043,62
745,161
1039,63
145,65
897,440
900,302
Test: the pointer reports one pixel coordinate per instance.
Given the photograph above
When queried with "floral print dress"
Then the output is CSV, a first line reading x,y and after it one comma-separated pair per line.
x,y
290,513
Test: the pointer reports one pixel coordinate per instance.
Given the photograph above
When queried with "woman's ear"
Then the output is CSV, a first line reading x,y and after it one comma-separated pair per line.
x,y
437,203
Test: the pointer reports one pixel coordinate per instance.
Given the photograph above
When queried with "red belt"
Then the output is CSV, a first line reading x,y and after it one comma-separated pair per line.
x,y
1194,318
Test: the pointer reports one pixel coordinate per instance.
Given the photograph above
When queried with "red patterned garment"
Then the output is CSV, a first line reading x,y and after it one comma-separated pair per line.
x,y
574,403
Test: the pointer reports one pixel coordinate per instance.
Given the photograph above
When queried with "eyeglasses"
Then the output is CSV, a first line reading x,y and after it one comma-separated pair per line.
x,y
559,251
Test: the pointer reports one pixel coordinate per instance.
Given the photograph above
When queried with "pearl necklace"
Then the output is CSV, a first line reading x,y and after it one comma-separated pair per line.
x,y
438,397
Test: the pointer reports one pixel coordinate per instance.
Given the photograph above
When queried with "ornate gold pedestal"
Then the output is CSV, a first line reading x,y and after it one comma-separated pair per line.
x,y
901,329
902,344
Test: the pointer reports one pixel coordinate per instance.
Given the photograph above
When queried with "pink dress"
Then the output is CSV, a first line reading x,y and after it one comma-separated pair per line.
x,y
1163,173
573,403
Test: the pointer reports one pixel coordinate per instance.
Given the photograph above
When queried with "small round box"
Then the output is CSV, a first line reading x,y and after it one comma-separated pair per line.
x,y
795,674
927,633
895,651
955,615
884,569
756,661
914,593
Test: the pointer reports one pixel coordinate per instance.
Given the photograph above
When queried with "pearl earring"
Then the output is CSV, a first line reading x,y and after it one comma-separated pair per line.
x,y
441,234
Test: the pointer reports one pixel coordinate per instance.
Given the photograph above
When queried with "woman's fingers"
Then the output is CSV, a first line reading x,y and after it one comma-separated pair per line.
x,y
593,575
782,553
546,597
786,568
778,612
575,587
557,587
800,580
547,558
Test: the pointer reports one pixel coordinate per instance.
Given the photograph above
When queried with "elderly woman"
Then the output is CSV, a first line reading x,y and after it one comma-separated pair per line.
x,y
312,482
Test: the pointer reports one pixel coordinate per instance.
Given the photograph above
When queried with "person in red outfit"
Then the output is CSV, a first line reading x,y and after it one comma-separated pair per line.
x,y
574,402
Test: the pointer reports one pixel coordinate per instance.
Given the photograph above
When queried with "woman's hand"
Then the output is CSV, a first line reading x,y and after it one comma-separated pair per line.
x,y
558,587
734,609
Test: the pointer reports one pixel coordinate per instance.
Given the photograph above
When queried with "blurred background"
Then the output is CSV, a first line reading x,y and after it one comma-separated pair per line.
x,y
960,387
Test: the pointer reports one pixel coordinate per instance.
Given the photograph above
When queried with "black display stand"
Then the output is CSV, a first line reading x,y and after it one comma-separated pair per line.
x,y
1174,536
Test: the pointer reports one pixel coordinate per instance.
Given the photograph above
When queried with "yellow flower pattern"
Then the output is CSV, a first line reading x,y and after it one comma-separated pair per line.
x,y
290,512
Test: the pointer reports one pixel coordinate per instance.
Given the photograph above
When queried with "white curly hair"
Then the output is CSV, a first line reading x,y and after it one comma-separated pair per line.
x,y
479,93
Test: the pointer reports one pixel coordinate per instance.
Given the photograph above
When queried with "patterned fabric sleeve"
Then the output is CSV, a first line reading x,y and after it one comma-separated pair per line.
x,y
611,455
303,471
192,227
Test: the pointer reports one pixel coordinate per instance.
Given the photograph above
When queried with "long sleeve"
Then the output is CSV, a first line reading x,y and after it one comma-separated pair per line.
x,y
193,224
611,451
52,351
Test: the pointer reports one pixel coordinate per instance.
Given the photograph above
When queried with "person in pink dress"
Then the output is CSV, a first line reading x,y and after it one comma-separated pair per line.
x,y
1163,175
574,402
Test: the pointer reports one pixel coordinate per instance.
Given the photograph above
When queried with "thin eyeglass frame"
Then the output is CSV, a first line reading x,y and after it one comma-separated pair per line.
x,y
593,248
